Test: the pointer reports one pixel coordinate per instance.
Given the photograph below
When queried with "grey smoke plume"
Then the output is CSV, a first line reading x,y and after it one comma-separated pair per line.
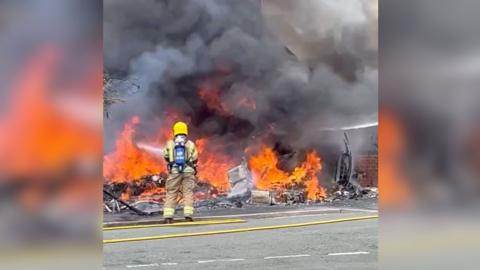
x,y
307,65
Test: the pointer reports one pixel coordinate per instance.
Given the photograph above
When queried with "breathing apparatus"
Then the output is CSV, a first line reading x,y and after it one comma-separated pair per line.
x,y
180,152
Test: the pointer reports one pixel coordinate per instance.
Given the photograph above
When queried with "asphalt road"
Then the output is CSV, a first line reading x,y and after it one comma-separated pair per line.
x,y
346,245
205,212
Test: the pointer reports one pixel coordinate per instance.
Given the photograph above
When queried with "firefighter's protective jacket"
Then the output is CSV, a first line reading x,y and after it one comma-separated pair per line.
x,y
191,156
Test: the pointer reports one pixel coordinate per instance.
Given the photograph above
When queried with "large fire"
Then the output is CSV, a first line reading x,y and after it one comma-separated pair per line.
x,y
130,162
213,166
267,175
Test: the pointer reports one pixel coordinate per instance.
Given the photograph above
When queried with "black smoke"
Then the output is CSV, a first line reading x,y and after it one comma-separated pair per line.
x,y
161,51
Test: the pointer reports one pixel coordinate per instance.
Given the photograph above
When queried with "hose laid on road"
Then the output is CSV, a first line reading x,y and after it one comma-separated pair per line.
x,y
179,224
273,227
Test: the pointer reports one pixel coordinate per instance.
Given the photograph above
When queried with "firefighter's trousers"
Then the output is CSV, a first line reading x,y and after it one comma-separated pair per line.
x,y
176,183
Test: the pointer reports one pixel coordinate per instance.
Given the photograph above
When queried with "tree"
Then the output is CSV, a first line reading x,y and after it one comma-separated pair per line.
x,y
110,95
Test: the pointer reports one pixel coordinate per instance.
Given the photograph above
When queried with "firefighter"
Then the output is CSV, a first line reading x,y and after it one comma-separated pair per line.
x,y
181,156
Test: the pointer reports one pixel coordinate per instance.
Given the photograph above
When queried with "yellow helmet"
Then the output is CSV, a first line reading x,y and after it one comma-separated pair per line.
x,y
180,128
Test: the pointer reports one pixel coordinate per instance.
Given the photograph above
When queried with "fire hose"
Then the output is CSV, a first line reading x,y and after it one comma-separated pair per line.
x,y
134,209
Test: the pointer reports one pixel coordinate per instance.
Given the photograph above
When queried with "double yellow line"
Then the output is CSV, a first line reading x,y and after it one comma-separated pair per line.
x,y
273,227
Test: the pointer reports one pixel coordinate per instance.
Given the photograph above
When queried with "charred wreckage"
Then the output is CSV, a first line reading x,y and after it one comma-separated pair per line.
x,y
145,196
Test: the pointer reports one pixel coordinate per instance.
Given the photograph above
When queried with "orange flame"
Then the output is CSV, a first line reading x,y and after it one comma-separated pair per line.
x,y
125,196
267,175
395,190
128,162
149,193
39,134
213,165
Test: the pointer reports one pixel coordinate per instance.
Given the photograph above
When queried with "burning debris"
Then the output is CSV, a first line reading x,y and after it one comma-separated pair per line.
x,y
149,189
146,194
264,166
259,179
135,171
240,180
262,197
289,188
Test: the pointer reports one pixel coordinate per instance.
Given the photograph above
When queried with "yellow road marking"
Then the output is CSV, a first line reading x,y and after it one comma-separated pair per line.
x,y
179,224
157,237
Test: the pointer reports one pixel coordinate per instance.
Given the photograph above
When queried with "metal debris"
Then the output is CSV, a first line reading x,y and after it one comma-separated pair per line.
x,y
240,180
262,197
